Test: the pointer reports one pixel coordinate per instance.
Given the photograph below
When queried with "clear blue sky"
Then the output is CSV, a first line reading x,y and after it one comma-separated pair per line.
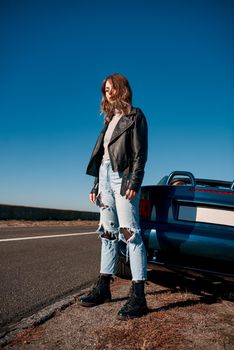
x,y
179,59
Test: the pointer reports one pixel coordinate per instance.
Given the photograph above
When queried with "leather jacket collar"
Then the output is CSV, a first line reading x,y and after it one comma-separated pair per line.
x,y
124,123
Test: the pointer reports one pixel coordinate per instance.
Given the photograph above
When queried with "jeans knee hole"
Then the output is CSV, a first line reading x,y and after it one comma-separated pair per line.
x,y
108,235
128,233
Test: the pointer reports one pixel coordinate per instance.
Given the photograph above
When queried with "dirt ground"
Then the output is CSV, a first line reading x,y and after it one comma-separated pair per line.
x,y
176,320
181,316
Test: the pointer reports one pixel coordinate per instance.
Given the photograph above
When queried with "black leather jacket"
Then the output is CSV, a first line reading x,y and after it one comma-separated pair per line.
x,y
127,150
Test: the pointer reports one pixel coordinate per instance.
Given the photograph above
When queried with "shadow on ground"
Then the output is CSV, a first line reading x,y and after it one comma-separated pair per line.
x,y
211,290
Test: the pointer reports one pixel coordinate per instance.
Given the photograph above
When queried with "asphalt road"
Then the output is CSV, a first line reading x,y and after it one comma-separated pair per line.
x,y
37,272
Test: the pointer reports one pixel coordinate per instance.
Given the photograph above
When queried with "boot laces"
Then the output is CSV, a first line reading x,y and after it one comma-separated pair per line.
x,y
95,291
132,302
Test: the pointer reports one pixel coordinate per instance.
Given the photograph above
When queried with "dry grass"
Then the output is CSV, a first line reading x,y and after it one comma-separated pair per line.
x,y
177,320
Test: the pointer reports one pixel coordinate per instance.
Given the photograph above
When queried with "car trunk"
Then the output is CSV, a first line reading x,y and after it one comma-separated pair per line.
x,y
189,226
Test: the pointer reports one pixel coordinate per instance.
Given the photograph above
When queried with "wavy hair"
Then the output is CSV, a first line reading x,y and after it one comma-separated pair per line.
x,y
122,98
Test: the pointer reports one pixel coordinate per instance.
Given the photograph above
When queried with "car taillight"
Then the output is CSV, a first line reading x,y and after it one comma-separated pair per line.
x,y
145,208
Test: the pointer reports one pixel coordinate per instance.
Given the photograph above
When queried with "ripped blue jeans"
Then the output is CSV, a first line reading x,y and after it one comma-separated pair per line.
x,y
116,215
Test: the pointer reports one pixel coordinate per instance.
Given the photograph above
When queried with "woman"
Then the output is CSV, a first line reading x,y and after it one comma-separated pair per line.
x,y
117,163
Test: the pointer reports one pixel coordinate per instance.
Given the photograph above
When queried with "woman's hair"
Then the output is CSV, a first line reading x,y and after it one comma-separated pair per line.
x,y
122,99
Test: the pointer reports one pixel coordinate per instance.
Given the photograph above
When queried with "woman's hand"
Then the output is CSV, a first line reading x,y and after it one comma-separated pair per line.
x,y
92,197
130,194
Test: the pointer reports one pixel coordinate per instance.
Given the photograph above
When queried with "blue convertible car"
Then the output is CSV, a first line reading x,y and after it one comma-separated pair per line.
x,y
188,224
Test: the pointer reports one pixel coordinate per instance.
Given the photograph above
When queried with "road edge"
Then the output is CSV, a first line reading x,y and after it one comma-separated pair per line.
x,y
38,318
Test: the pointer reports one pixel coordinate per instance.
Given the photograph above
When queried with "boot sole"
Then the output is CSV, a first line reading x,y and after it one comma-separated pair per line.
x,y
85,304
129,317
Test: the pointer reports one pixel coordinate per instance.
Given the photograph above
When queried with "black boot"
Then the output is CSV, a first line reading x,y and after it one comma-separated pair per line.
x,y
136,305
99,294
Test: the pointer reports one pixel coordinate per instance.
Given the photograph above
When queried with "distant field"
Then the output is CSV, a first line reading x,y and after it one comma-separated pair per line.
x,y
44,223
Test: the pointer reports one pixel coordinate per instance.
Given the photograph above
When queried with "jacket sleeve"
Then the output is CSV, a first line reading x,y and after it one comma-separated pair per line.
x,y
139,152
95,186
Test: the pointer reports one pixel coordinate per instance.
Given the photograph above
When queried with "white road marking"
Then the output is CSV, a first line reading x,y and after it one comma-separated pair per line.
x,y
51,236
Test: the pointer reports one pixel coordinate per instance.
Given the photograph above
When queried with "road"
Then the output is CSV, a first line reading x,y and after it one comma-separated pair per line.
x,y
39,266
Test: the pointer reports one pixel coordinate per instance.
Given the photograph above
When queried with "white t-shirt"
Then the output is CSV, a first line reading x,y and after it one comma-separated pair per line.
x,y
115,119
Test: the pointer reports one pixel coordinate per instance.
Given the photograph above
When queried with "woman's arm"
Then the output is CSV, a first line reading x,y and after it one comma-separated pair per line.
x,y
94,190
139,152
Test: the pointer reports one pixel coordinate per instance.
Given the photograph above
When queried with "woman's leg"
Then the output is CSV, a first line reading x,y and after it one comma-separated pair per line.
x,y
108,230
108,226
129,231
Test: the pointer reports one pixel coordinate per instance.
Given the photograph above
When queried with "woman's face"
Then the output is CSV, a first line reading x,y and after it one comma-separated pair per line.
x,y
109,92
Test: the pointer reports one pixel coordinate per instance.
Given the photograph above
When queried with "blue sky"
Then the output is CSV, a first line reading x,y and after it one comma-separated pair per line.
x,y
178,57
